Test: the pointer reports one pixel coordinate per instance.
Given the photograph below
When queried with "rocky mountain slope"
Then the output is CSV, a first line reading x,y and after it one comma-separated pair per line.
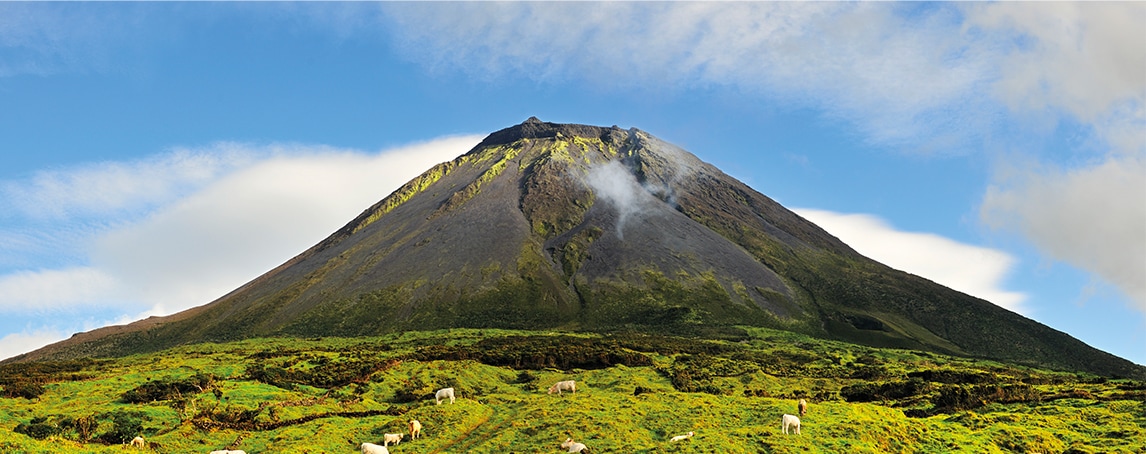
x,y
557,226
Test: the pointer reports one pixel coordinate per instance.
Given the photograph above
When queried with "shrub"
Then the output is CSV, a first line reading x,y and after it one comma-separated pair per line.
x,y
25,389
125,425
27,379
168,389
324,372
897,390
40,427
952,377
526,377
537,352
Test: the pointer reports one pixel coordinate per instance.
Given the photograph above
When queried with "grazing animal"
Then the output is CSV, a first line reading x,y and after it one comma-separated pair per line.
x,y
567,385
802,406
573,446
681,437
138,442
789,421
442,394
371,448
391,438
415,429
229,451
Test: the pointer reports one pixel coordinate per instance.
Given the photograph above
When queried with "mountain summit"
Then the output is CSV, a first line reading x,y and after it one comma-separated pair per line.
x,y
577,227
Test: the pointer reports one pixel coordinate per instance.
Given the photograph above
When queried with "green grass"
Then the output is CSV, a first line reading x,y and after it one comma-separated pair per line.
x,y
634,393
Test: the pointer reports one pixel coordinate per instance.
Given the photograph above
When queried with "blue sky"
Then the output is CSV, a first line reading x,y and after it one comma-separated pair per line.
x,y
156,155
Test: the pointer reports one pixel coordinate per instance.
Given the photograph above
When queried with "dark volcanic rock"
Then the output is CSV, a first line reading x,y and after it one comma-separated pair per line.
x,y
537,129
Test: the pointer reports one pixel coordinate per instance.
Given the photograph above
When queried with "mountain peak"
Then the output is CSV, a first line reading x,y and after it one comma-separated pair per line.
x,y
534,128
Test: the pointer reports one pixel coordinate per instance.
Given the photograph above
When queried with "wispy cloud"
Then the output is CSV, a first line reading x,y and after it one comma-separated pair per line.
x,y
53,289
47,38
974,270
99,189
901,76
614,183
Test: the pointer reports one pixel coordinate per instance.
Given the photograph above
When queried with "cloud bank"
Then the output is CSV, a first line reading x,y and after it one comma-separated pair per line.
x,y
974,270
23,342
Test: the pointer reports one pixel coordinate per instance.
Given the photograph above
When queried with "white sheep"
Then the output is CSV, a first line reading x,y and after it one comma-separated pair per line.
x,y
391,438
371,448
681,437
802,405
567,385
442,394
415,429
573,446
790,421
138,442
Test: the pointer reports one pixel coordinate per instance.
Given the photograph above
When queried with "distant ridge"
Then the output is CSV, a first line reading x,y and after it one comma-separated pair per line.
x,y
575,227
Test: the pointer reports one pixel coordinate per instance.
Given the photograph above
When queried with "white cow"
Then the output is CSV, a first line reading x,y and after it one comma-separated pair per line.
x,y
138,442
229,451
371,448
442,394
573,446
415,429
567,385
790,421
391,438
681,437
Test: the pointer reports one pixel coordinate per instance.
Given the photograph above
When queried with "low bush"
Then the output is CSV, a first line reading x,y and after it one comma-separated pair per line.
x,y
952,377
537,352
169,389
896,390
25,389
125,425
42,427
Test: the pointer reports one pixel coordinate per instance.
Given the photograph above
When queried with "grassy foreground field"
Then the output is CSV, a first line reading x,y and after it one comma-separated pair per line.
x,y
634,392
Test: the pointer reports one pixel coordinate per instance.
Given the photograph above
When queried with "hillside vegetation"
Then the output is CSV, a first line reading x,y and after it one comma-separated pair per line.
x,y
634,392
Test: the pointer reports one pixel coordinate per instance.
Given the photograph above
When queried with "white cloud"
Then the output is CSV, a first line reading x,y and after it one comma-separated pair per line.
x,y
1088,61
105,187
1082,57
973,270
901,77
613,182
25,291
1092,217
16,343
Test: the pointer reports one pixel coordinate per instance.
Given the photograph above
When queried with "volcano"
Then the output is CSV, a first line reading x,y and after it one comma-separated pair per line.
x,y
574,227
